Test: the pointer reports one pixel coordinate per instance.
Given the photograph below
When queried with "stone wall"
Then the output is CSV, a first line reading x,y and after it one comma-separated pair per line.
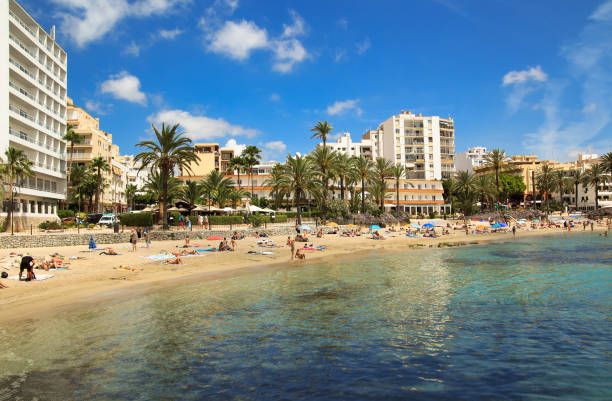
x,y
64,239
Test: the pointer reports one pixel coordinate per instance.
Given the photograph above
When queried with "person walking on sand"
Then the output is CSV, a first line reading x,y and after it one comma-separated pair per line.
x,y
134,240
206,221
292,245
147,238
592,225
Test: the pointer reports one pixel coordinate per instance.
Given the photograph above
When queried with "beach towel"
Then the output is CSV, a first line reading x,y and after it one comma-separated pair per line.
x,y
159,257
317,248
261,253
206,250
39,277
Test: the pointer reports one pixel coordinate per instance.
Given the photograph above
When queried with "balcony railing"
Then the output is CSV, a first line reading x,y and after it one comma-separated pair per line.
x,y
20,22
21,113
21,68
18,43
21,90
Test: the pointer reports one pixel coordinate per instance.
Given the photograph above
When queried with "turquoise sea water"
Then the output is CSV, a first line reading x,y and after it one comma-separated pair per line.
x,y
522,320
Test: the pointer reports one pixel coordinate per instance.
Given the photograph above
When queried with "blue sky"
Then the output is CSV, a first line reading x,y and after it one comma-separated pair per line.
x,y
529,77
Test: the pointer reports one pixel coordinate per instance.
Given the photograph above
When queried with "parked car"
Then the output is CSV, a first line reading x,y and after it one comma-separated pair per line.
x,y
93,218
108,220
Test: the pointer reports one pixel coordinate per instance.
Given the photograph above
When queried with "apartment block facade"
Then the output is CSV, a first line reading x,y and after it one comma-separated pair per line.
x,y
98,143
473,157
366,147
210,157
34,84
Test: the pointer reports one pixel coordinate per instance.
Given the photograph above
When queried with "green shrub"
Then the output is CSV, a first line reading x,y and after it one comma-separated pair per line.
x,y
432,215
175,218
293,215
49,225
65,213
256,220
219,220
142,219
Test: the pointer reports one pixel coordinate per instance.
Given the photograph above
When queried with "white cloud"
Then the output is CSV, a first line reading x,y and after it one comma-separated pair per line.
x,y
274,97
85,21
132,50
340,55
563,135
169,33
340,107
238,40
519,77
200,127
94,107
237,147
363,47
124,86
343,23
297,28
273,150
288,53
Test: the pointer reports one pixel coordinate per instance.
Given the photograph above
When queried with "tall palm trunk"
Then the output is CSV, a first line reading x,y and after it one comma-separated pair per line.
x,y
397,196
162,201
576,194
297,205
98,191
596,184
69,171
10,209
342,187
497,184
239,179
252,186
362,195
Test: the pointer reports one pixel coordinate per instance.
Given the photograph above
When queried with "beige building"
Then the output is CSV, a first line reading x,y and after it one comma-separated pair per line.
x,y
210,157
98,143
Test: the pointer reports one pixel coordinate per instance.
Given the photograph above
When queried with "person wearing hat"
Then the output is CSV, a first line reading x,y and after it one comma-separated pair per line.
x,y
27,263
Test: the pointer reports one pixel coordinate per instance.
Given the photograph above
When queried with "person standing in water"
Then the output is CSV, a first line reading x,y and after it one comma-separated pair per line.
x,y
514,231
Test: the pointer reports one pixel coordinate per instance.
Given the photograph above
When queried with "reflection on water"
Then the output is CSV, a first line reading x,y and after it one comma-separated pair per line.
x,y
518,320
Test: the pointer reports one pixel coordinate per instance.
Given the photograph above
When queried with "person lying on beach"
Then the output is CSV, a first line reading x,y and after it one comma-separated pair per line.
x,y
237,236
190,252
108,251
256,235
176,261
2,285
320,233
300,255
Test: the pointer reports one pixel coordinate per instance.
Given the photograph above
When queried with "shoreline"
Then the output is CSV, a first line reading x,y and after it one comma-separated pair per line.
x,y
97,280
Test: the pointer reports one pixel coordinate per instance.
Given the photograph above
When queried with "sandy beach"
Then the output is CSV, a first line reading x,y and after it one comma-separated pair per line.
x,y
94,278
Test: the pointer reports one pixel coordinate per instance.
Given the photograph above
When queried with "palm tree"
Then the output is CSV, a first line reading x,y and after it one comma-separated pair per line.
x,y
545,181
172,149
78,175
448,185
88,187
606,160
237,163
17,167
594,176
130,192
498,161
236,196
484,189
464,186
215,185
324,159
362,167
560,182
299,178
155,187
342,170
382,170
575,177
99,164
398,172
191,193
73,138
251,155
321,130
275,182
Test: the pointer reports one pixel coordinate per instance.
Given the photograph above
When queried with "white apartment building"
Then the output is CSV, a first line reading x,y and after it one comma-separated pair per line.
x,y
424,144
34,117
365,147
473,157
135,176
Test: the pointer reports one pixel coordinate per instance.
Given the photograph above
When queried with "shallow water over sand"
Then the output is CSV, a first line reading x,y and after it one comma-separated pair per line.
x,y
517,320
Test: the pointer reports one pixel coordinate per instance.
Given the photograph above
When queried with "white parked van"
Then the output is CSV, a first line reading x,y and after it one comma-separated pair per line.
x,y
108,220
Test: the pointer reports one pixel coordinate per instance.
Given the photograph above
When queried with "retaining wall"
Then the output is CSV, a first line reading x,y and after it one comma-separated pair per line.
x,y
60,239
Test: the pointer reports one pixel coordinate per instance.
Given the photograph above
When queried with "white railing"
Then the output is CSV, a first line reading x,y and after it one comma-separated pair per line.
x,y
18,43
21,113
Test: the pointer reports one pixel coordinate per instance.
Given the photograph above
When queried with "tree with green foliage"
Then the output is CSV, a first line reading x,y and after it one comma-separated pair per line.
x,y
382,170
398,172
575,178
512,186
98,165
324,159
191,193
16,167
545,182
237,164
322,130
217,187
595,176
362,168
251,156
464,187
498,161
72,138
484,190
171,149
274,181
130,192
299,178
163,191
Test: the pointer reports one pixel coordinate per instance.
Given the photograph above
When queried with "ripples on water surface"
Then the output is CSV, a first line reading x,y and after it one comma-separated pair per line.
x,y
528,320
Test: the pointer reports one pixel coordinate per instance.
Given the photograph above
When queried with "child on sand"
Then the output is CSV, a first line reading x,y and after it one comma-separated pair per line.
x,y
300,255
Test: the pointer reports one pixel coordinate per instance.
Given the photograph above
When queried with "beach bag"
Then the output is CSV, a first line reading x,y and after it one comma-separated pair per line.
x,y
4,274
